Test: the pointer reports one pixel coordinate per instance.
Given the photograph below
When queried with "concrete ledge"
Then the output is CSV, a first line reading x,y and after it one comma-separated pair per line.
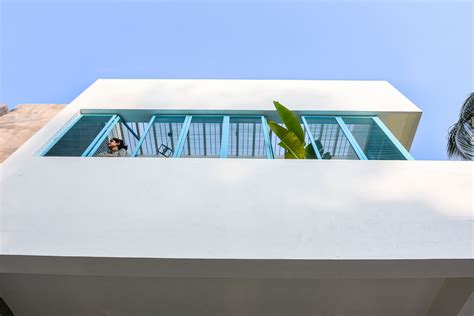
x,y
237,268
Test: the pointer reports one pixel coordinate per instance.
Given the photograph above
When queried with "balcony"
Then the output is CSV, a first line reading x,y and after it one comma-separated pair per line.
x,y
224,136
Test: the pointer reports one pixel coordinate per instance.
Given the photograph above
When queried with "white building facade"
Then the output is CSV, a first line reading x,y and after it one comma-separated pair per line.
x,y
204,217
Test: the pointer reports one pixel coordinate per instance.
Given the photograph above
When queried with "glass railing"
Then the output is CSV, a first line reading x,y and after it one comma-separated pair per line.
x,y
224,136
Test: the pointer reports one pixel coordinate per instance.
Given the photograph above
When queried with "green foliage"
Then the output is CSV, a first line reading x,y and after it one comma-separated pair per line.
x,y
324,155
461,134
294,148
290,120
292,136
309,152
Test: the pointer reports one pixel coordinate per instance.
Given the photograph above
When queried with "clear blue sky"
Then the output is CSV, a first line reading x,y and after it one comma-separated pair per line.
x,y
53,50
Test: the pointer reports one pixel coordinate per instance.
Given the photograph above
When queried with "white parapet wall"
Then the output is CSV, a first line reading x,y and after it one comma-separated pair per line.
x,y
215,208
249,209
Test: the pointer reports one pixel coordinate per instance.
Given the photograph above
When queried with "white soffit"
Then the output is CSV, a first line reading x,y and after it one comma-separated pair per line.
x,y
345,97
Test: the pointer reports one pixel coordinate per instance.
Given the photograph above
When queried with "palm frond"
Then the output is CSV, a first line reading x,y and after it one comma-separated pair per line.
x,y
467,109
451,147
460,135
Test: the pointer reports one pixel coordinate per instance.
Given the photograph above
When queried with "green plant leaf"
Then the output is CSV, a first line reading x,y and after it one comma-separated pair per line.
x,y
289,155
309,152
294,148
290,120
279,130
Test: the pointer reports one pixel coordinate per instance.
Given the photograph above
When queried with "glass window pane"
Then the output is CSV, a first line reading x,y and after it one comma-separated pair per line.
x,y
373,141
333,142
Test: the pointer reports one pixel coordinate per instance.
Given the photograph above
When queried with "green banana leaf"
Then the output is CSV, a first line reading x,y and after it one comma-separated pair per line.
x,y
292,137
279,130
290,120
309,152
294,148
289,155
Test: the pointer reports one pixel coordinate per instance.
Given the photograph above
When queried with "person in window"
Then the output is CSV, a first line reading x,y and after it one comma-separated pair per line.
x,y
116,149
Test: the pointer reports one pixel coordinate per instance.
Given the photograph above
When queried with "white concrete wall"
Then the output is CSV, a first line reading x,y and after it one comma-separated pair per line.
x,y
255,209
323,95
198,208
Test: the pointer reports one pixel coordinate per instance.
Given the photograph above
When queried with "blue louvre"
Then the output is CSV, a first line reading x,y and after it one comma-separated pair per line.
x,y
78,138
372,139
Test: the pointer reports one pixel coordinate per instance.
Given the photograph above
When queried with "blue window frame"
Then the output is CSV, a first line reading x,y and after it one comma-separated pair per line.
x,y
225,136
249,137
205,136
375,140
161,137
87,135
329,138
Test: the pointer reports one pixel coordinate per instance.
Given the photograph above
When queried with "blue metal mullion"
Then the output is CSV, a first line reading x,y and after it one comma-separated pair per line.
x,y
143,137
225,136
61,134
266,137
360,153
311,138
94,145
182,137
129,128
392,138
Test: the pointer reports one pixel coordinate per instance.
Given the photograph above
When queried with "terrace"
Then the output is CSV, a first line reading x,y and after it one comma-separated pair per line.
x,y
204,135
